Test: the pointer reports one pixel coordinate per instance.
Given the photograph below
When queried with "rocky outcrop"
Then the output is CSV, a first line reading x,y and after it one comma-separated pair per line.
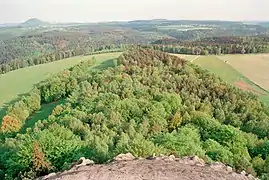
x,y
124,157
125,166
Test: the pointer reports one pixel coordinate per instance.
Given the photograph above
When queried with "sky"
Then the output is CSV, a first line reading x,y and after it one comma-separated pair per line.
x,y
13,11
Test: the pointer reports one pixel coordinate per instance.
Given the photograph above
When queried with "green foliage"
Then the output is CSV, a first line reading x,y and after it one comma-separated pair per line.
x,y
185,142
214,45
258,164
33,100
34,52
262,148
59,146
140,147
218,152
150,103
19,111
22,81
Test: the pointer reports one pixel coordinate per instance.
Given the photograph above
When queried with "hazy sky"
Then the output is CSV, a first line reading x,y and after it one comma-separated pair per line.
x,y
107,10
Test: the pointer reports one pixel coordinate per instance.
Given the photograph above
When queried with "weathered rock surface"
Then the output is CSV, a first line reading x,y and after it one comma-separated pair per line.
x,y
124,157
126,167
82,162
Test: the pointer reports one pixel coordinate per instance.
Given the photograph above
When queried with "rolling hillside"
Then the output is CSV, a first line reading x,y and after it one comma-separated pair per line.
x,y
148,103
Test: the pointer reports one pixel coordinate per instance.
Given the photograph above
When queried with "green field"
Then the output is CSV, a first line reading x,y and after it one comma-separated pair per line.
x,y
21,81
253,66
220,68
230,75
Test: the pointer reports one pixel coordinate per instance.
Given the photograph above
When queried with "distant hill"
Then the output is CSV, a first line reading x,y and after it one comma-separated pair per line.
x,y
34,22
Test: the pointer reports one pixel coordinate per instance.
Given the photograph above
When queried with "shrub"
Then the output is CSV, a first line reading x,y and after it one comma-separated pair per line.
x,y
184,142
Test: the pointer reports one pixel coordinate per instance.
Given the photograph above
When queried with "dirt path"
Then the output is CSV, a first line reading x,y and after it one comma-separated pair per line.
x,y
194,59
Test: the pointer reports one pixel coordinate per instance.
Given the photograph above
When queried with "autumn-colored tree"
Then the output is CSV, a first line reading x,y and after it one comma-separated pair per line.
x,y
57,110
40,163
10,124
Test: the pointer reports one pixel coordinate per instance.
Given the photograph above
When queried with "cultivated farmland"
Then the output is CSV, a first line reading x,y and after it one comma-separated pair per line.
x,y
238,70
254,67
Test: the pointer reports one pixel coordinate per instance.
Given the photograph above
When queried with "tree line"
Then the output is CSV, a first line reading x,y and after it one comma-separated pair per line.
x,y
17,64
214,45
54,88
35,48
150,102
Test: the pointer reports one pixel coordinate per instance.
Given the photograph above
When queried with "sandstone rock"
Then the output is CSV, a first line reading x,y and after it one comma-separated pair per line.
x,y
85,162
82,162
157,158
250,177
124,157
217,166
234,174
229,169
169,158
193,160
243,173
198,161
187,160
151,169
49,176
153,157
172,157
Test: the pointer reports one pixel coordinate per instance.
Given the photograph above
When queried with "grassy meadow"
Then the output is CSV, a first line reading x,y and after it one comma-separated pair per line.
x,y
21,81
254,67
235,74
220,68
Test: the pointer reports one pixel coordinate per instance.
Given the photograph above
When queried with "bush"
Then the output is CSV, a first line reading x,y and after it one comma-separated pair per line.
x,y
184,142
258,165
217,152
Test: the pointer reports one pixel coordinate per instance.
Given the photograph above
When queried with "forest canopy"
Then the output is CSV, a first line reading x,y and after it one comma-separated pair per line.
x,y
150,102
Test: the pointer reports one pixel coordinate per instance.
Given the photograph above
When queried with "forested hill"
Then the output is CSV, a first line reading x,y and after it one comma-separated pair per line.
x,y
35,48
34,22
215,45
150,102
37,42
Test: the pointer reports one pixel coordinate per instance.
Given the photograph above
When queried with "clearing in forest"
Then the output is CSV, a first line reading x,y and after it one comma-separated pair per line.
x,y
253,66
225,71
18,82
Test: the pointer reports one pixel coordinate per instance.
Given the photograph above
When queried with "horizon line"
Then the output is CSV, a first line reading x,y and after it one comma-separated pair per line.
x,y
107,21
